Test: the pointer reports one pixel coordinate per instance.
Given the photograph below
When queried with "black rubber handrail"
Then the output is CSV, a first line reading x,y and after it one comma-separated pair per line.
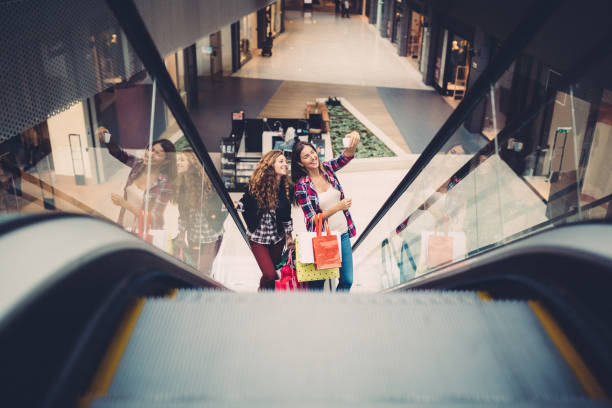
x,y
517,41
137,33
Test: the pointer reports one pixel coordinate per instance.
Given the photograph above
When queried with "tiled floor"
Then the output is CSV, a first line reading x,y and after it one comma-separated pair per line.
x,y
334,50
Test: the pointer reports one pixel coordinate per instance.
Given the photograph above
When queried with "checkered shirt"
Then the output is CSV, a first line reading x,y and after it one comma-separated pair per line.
x,y
309,200
266,233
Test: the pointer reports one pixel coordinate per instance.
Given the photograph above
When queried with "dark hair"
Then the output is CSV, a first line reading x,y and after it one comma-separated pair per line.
x,y
297,171
169,166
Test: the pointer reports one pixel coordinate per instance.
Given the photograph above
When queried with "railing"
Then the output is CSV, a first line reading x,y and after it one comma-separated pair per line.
x,y
449,207
129,170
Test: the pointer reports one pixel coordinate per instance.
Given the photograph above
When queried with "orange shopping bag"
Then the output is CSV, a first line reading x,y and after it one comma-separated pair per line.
x,y
143,228
325,247
440,248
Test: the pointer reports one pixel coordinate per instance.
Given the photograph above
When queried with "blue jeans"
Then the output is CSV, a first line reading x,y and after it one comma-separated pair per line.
x,y
346,269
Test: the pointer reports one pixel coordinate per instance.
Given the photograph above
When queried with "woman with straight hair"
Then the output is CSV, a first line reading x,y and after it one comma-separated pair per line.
x,y
317,190
267,212
161,157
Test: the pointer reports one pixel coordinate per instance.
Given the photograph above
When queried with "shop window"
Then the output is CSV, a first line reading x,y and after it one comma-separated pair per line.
x,y
415,38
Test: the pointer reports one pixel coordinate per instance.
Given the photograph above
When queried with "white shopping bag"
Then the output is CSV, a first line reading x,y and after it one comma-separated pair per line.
x,y
161,239
305,253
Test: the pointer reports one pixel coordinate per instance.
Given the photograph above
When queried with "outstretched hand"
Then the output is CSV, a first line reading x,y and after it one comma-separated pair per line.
x,y
353,141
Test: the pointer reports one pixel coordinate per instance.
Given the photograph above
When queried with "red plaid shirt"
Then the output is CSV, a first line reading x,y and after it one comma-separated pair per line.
x,y
159,193
309,200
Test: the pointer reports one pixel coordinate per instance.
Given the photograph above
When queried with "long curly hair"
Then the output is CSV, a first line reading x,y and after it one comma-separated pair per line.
x,y
263,185
193,184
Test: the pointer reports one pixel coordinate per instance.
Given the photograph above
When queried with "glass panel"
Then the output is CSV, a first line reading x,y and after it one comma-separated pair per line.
x,y
119,155
546,167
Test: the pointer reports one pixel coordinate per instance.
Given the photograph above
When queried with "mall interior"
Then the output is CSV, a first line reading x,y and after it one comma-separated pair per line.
x,y
480,197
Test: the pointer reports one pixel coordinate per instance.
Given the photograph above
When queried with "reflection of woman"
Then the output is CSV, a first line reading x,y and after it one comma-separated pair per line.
x,y
267,211
200,212
317,190
163,171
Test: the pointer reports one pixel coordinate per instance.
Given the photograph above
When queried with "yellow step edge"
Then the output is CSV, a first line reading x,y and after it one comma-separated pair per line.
x,y
485,296
110,362
569,353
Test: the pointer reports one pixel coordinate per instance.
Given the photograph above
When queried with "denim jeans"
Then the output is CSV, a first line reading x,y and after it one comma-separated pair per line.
x,y
346,270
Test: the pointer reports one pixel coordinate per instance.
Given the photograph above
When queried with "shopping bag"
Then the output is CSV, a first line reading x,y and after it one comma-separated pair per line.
x,y
307,272
143,228
288,280
439,248
306,255
325,247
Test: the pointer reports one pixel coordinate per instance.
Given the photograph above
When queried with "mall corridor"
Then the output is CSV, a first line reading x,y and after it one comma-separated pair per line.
x,y
163,166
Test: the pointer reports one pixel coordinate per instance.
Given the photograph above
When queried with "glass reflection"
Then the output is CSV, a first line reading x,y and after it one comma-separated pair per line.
x,y
148,187
201,214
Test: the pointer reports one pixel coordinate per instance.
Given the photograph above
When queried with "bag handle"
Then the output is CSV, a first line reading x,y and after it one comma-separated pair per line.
x,y
445,222
321,224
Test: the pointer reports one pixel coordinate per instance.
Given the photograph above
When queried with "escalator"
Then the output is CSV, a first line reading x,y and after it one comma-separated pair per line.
x,y
429,348
124,325
518,315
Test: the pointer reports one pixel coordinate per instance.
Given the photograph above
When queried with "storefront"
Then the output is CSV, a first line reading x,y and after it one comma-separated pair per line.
x,y
452,64
182,67
396,19
416,39
247,37
175,64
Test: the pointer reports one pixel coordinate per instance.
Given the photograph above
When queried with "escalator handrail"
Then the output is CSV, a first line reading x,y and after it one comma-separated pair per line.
x,y
512,47
592,247
140,39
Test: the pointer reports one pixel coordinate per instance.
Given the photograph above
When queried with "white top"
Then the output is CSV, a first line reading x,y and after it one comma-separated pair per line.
x,y
337,222
135,197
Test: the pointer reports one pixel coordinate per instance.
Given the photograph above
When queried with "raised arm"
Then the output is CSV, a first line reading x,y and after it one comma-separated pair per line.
x,y
349,152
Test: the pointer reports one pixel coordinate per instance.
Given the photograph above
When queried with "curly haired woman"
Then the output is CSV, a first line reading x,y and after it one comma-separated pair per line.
x,y
267,211
201,213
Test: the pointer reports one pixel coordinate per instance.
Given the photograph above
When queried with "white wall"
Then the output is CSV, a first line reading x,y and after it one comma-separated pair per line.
x,y
253,37
60,126
226,49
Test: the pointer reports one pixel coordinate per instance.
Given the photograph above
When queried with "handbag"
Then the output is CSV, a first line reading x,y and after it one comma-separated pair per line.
x,y
439,248
325,247
307,272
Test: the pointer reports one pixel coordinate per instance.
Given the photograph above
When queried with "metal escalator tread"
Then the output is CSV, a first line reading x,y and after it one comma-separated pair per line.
x,y
433,349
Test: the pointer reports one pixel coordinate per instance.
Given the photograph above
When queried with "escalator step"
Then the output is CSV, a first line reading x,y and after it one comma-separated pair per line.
x,y
419,349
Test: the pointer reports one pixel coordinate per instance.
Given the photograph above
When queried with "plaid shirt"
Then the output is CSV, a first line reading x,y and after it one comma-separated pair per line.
x,y
159,193
192,222
266,233
309,200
